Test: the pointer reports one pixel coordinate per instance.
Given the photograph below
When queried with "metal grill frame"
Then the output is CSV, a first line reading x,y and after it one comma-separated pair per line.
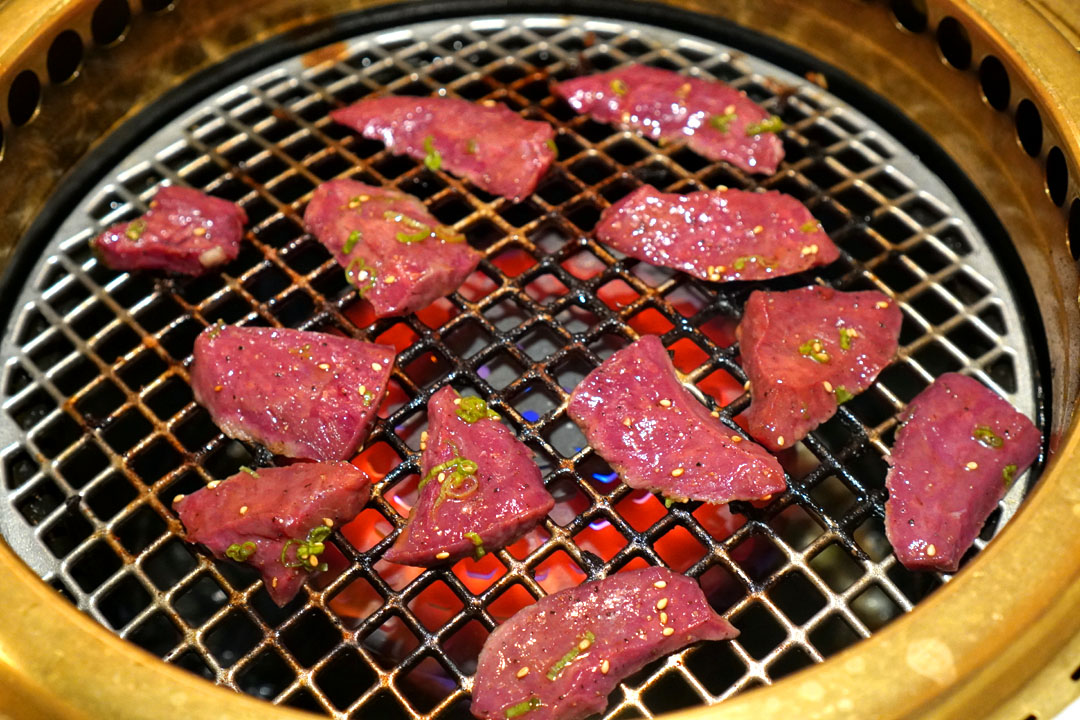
x,y
331,313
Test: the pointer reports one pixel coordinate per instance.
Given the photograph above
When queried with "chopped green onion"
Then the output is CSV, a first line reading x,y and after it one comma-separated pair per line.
x,y
721,122
135,229
1008,474
432,159
845,338
470,147
987,437
842,395
814,350
240,553
668,501
249,471
308,548
552,146
417,236
522,707
471,409
741,262
478,545
216,329
810,226
361,275
619,87
405,220
448,234
773,124
354,237
568,658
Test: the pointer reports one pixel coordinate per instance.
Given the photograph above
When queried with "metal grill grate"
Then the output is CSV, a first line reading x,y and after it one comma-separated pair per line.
x,y
99,429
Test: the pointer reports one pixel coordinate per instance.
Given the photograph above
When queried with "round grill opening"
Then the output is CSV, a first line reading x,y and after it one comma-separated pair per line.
x,y
99,430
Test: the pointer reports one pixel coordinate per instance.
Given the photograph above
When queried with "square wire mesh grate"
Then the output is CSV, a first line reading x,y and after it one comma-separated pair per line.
x,y
107,430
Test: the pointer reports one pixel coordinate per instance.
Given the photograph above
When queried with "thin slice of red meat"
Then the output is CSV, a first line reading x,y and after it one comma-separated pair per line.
x,y
480,488
185,231
560,658
394,252
716,120
807,350
958,450
304,395
657,436
490,145
717,235
275,519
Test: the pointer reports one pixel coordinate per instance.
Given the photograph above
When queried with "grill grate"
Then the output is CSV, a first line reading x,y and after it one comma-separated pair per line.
x,y
100,430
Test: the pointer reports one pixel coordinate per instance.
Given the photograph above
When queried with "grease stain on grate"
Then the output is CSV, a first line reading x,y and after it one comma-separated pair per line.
x,y
99,430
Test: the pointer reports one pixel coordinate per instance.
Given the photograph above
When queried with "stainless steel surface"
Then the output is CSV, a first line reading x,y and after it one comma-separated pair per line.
x,y
94,371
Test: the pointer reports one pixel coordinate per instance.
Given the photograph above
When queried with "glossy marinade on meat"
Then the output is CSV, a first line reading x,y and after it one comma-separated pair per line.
x,y
717,235
275,519
807,350
657,436
959,448
305,395
560,658
396,254
185,231
490,145
714,119
480,488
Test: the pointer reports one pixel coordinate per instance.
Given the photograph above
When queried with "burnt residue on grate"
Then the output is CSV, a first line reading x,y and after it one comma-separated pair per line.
x,y
99,430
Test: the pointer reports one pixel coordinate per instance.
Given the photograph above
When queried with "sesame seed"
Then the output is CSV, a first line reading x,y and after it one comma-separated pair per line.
x,y
813,249
604,667
746,385
827,385
273,583
213,484
442,477
780,441
758,229
729,109
881,304
722,188
584,644
424,436
313,560
663,618
423,446
362,389
931,550
178,498
199,232
660,584
715,413
153,203
442,555
328,522
522,672
457,401
972,465
243,510
324,366
390,279
665,403
736,438
376,366
669,631
677,472
218,388
661,603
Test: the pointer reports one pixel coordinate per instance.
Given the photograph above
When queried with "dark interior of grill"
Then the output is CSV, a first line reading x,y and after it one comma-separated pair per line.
x,y
110,433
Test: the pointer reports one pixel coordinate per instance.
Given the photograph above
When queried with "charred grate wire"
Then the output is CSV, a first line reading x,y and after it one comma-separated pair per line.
x,y
100,430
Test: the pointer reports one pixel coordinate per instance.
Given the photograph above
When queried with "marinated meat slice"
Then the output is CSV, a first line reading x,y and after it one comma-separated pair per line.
x,y
716,120
717,235
657,436
959,448
479,488
394,252
807,350
275,519
560,658
301,394
185,231
490,145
